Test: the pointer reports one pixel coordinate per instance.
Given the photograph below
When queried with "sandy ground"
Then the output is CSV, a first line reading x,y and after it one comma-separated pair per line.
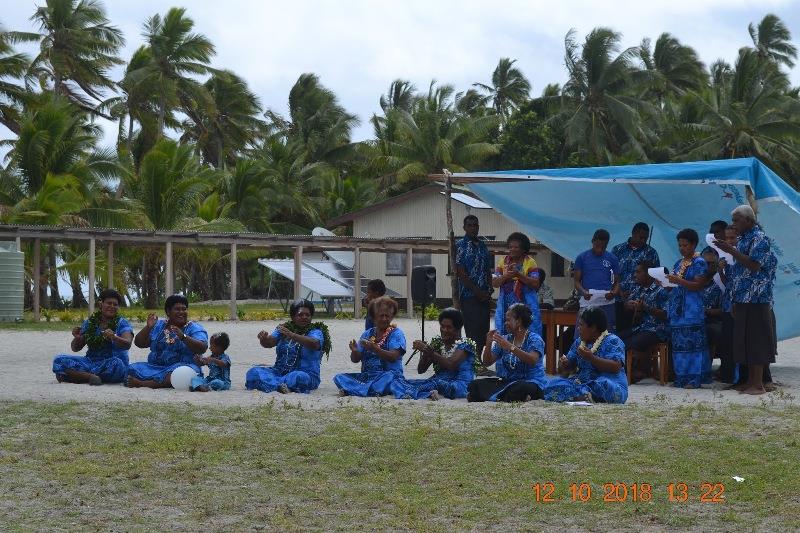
x,y
26,357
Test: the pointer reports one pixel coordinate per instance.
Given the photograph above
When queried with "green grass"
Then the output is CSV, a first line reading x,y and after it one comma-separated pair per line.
x,y
391,465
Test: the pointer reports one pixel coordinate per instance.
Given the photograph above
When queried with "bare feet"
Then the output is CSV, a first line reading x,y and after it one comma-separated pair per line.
x,y
283,389
60,378
740,387
754,391
95,380
689,386
133,382
770,387
342,393
202,388
434,395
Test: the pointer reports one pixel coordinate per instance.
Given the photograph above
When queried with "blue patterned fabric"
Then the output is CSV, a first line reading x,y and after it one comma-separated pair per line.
x,y
725,299
295,366
376,375
477,262
754,287
507,297
448,383
686,313
605,387
218,378
109,362
165,357
629,257
653,296
712,296
512,369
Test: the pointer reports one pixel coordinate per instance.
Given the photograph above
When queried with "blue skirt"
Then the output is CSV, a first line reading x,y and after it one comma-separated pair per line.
x,y
418,389
157,373
602,389
266,379
366,383
213,384
110,370
690,355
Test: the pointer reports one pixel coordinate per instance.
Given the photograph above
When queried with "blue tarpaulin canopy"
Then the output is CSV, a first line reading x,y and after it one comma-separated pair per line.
x,y
563,207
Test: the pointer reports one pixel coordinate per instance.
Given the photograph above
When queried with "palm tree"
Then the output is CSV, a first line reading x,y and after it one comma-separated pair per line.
x,y
601,117
78,47
772,40
176,55
13,66
672,68
508,90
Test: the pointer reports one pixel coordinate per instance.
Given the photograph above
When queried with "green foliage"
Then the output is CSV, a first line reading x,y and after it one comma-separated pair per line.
x,y
528,142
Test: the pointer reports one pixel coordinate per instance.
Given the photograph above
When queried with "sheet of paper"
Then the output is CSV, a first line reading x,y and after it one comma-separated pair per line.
x,y
722,255
580,404
718,281
660,273
597,298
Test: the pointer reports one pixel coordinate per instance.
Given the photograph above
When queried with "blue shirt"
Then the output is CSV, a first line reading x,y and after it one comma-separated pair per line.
x,y
512,368
653,296
167,353
754,287
597,271
477,262
370,362
629,257
712,296
220,372
725,300
109,348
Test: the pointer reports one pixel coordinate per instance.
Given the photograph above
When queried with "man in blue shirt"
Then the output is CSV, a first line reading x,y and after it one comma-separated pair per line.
x,y
474,271
752,279
598,270
629,254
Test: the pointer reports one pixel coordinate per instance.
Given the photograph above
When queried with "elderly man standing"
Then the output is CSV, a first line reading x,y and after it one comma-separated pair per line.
x,y
474,270
752,279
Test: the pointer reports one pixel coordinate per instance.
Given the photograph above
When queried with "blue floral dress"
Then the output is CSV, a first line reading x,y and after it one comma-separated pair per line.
x,y
219,377
515,292
512,369
449,383
109,362
296,366
376,375
605,387
164,356
687,322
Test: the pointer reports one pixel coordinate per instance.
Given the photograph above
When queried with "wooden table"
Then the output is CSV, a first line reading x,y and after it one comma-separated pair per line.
x,y
554,322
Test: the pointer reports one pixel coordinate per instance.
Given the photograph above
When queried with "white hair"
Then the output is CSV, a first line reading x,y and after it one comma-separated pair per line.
x,y
746,211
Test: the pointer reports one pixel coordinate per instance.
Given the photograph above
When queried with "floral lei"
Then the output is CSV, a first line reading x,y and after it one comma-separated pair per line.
x,y
437,345
385,335
94,340
169,338
303,330
685,264
597,343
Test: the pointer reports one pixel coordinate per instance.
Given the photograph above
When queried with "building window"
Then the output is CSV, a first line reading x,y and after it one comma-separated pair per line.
x,y
556,265
396,262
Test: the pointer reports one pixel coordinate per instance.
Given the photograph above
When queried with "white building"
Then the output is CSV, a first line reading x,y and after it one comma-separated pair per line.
x,y
421,214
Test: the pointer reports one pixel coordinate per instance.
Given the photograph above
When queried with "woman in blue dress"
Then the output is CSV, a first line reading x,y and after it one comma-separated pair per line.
x,y
380,352
686,312
108,337
173,342
299,345
517,357
452,358
599,358
518,281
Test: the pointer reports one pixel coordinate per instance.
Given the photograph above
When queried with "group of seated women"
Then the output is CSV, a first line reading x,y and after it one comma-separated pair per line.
x,y
592,369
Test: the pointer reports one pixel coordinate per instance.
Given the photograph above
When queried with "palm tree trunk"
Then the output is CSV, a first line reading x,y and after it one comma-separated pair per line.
x,y
78,299
151,279
451,255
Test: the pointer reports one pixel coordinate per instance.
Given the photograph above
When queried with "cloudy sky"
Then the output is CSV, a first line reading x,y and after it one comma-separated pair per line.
x,y
358,47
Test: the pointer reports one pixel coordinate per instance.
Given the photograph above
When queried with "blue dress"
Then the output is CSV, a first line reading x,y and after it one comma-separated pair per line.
x,y
165,357
376,375
449,383
512,369
687,323
109,362
508,297
219,377
296,366
605,387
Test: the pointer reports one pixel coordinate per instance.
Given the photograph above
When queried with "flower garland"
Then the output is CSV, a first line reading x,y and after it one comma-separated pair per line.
x,y
685,264
94,340
597,343
437,345
303,330
169,338
385,335
511,360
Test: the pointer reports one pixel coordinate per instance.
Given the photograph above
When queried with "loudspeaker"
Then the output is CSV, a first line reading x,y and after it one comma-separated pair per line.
x,y
423,284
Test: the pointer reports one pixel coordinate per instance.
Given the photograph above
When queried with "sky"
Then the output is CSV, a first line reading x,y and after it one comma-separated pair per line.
x,y
358,47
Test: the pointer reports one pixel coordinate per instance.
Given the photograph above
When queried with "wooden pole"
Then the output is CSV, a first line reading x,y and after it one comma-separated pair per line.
x,y
19,244
357,283
451,254
37,245
91,275
169,283
298,281
234,316
409,268
110,267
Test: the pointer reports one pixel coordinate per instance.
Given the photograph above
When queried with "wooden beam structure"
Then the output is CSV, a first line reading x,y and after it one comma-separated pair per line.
x,y
91,283
357,283
409,268
110,266
233,314
169,282
37,259
298,272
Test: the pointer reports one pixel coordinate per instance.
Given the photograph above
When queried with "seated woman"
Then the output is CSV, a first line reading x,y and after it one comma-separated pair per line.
x,y
173,342
518,361
599,357
299,345
108,337
380,351
452,359
518,280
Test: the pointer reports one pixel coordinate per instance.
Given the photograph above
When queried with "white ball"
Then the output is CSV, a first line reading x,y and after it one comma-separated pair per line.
x,y
181,377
